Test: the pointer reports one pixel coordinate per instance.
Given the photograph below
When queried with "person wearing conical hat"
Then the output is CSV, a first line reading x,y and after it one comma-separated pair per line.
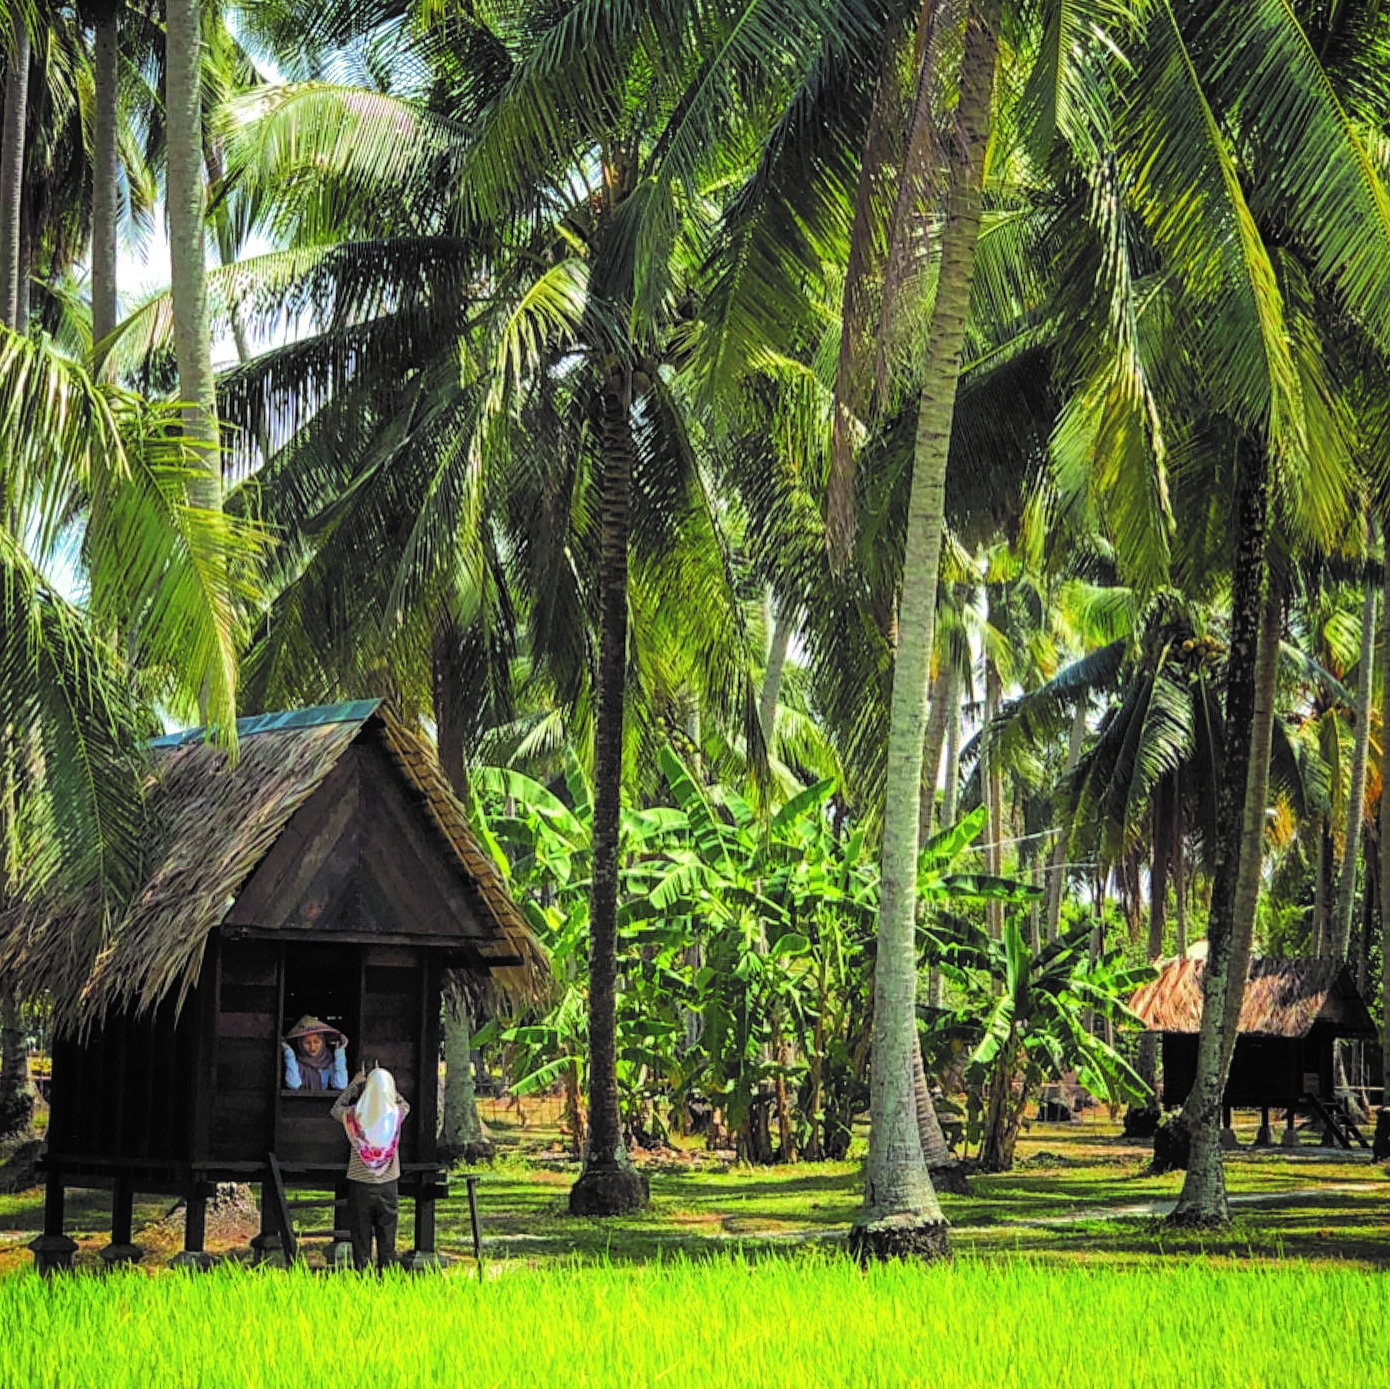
x,y
315,1056
373,1123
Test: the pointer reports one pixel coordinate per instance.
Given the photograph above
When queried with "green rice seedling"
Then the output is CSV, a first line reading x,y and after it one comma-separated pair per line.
x,y
807,1320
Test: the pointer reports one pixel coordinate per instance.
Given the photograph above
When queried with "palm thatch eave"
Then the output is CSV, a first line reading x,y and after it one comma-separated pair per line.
x,y
213,821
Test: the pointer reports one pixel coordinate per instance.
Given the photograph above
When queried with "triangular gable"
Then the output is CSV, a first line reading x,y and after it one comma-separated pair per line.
x,y
361,856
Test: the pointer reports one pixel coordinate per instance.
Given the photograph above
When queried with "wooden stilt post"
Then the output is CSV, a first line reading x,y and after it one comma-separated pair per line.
x,y
53,1250
122,1249
1228,1133
266,1247
1289,1138
195,1216
424,1255
340,1250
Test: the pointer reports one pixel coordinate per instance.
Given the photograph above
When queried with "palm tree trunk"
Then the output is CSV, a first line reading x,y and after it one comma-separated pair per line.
x,y
1253,822
12,168
1385,822
901,1214
105,197
992,786
461,1134
449,739
1056,871
192,344
929,1130
1346,886
951,781
772,674
609,1184
1158,911
1320,889
1203,1198
16,1088
944,697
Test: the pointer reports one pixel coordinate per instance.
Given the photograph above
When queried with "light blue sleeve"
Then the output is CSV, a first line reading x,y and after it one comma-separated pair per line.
x,y
292,1078
339,1069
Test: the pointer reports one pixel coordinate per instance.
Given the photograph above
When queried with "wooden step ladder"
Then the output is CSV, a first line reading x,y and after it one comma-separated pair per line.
x,y
1337,1122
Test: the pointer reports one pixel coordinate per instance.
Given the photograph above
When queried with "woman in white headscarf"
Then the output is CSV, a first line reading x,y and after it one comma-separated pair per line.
x,y
372,1113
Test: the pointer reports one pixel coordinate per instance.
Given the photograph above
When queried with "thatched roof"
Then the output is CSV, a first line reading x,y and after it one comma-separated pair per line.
x,y
213,821
1283,998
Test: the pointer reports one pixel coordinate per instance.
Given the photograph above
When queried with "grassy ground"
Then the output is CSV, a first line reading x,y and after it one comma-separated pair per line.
x,y
1077,1195
1063,1277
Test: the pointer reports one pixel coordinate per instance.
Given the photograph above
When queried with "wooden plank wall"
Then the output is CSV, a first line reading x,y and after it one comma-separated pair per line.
x,y
391,1029
128,1090
247,1056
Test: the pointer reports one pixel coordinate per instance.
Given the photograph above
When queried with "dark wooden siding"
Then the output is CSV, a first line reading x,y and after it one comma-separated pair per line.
x,y
128,1090
392,1028
246,1053
1264,1070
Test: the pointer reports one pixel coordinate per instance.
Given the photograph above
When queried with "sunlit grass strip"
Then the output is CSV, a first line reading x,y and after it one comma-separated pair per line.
x,y
803,1322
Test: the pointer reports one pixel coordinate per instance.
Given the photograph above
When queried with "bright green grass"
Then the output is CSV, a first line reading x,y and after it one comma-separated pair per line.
x,y
795,1322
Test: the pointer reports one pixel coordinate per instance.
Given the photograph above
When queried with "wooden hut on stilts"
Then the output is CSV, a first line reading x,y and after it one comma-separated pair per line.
x,y
1291,1016
327,869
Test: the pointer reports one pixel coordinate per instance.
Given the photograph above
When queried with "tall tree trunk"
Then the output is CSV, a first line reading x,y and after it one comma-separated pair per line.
x,y
609,1184
901,1215
1158,913
12,167
16,1091
951,781
1203,1198
16,1088
772,674
992,788
192,343
1252,834
1056,870
945,695
1321,890
1356,797
1385,820
449,738
462,1133
105,170
1370,912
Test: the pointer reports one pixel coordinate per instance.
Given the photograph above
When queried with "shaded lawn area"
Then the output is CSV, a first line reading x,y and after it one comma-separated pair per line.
x,y
1060,1204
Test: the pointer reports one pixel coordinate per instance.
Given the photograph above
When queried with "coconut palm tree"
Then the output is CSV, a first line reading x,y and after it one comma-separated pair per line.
x,y
12,139
550,288
186,212
97,487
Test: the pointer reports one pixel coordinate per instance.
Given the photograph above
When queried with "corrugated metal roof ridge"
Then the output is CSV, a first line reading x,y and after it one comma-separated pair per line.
x,y
282,720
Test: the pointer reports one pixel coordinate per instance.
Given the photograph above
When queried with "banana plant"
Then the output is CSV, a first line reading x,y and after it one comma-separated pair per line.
x,y
1033,1016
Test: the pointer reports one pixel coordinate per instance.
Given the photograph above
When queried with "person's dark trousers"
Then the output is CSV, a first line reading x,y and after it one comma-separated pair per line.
x,y
373,1209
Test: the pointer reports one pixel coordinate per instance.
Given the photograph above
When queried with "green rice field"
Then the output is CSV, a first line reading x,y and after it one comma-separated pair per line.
x,y
812,1319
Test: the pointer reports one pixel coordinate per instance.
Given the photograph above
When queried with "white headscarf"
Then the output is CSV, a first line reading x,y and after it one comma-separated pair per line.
x,y
378,1111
